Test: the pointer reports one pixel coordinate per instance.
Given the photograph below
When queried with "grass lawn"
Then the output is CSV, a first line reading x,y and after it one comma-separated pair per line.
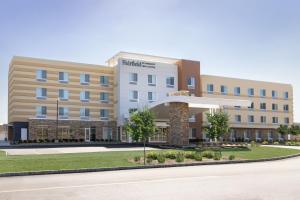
x,y
110,159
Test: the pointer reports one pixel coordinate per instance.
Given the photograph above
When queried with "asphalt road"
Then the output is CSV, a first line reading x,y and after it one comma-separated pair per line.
x,y
255,181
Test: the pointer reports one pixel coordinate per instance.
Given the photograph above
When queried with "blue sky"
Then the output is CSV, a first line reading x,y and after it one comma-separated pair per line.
x,y
253,39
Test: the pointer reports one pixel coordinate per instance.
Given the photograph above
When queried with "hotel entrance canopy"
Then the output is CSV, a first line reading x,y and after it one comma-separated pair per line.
x,y
196,105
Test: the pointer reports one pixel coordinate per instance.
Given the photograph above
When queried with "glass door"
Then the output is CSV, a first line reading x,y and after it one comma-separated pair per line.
x,y
87,132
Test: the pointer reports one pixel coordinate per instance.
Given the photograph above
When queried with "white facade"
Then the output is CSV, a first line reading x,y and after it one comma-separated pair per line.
x,y
125,67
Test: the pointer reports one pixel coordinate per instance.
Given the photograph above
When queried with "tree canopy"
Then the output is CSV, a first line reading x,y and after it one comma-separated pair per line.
x,y
217,125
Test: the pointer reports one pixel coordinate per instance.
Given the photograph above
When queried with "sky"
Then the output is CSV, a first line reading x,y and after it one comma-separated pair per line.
x,y
252,39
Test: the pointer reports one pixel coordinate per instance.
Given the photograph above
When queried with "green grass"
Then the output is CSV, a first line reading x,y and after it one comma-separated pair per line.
x,y
111,159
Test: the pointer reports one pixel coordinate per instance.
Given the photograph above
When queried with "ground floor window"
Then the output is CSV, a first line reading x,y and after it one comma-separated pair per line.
x,y
160,136
107,133
41,133
192,133
64,132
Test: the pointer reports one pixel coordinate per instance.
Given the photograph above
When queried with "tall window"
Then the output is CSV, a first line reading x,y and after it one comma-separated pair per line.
x,y
274,107
84,79
151,80
286,95
63,94
238,118
263,119
41,93
192,133
104,80
170,82
286,120
275,120
151,96
210,88
263,106
63,112
63,77
41,75
274,94
133,78
104,97
84,113
104,114
250,92
107,133
133,95
250,118
237,91
224,90
191,82
41,111
262,93
286,108
84,95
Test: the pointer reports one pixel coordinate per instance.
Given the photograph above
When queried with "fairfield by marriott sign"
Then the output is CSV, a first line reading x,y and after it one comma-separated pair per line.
x,y
136,63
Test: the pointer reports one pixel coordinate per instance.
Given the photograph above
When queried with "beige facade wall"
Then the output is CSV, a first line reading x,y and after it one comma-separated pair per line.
x,y
231,83
22,84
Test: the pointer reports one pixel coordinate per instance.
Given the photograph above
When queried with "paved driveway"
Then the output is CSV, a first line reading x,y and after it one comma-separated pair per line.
x,y
61,150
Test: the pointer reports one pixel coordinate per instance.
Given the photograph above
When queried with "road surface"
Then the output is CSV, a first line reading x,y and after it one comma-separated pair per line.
x,y
255,181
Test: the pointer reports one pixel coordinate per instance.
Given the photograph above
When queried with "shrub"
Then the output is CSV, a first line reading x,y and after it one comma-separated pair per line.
x,y
253,144
189,155
179,157
231,157
208,154
198,157
265,142
149,160
161,158
288,143
137,158
217,155
152,155
170,155
276,143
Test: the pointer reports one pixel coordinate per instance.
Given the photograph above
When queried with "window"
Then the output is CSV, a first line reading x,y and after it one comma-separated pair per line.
x,y
41,93
104,80
192,133
250,92
192,118
286,120
275,120
238,118
274,107
237,91
170,82
133,95
274,94
263,119
151,80
286,95
104,97
224,90
41,111
191,82
63,112
132,110
41,75
107,133
210,88
84,95
104,114
263,106
237,107
84,113
151,96
63,94
63,77
84,79
252,106
262,93
250,118
133,78
286,108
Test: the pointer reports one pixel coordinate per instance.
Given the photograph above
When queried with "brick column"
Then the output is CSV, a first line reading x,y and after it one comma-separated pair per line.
x,y
179,124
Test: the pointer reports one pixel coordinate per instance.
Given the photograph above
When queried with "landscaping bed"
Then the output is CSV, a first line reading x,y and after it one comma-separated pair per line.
x,y
9,164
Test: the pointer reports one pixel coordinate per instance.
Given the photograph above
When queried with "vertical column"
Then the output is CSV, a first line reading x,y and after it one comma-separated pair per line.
x,y
179,124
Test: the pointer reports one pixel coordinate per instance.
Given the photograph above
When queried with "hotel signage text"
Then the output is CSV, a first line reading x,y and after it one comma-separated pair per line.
x,y
138,63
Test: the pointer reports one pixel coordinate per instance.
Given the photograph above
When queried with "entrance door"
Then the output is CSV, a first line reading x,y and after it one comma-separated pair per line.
x,y
87,132
23,133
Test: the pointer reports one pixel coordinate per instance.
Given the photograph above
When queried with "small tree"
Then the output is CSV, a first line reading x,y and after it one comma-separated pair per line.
x,y
217,125
294,130
283,129
141,126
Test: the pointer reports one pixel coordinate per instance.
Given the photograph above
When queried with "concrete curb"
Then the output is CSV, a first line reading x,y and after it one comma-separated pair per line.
x,y
69,171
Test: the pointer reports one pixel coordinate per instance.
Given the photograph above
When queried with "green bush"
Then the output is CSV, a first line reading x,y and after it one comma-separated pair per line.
x,y
189,155
152,155
137,158
288,143
231,157
253,144
171,155
276,143
265,142
217,155
208,154
161,158
149,160
198,157
179,157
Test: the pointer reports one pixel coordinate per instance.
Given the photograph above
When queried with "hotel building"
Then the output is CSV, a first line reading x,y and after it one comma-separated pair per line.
x,y
58,100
